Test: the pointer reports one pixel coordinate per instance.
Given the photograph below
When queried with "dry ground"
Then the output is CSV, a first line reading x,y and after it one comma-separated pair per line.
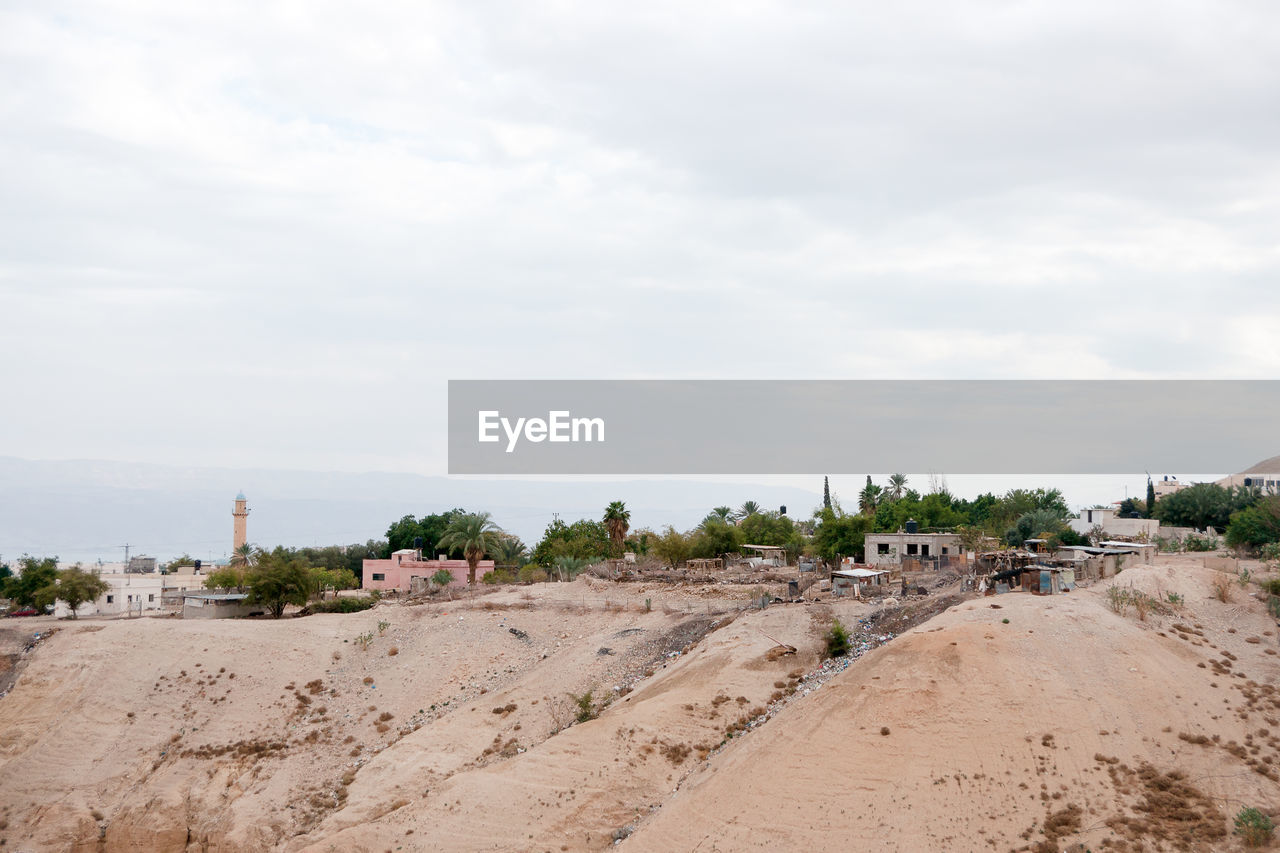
x,y
1067,723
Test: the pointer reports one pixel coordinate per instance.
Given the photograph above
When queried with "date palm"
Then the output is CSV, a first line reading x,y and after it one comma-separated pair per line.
x,y
617,519
245,555
897,486
475,535
748,509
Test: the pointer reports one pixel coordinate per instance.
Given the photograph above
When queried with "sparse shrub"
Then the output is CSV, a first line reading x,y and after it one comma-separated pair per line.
x,y
393,651
648,605
1254,827
443,578
1005,621
383,625
364,641
586,710
884,731
1174,598
1221,588
837,640
345,604
1243,577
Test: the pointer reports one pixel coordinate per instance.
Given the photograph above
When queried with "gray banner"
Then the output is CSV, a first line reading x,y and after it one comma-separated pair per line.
x,y
858,426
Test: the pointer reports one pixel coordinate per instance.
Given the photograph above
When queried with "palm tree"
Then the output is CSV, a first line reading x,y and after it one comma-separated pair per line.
x,y
617,518
748,509
475,535
509,551
721,513
869,497
246,555
897,486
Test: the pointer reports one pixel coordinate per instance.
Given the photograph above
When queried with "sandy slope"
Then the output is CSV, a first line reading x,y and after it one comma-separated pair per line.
x,y
136,734
986,719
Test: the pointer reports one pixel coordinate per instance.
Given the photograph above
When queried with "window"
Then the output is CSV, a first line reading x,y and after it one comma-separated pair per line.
x,y
151,596
946,550
924,550
111,599
913,549
882,548
378,576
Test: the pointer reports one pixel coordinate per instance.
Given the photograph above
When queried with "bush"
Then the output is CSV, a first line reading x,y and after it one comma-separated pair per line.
x,y
342,605
837,640
498,576
586,711
1200,543
1254,827
532,574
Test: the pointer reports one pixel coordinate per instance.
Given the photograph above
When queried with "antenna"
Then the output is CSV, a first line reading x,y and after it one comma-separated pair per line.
x,y
126,546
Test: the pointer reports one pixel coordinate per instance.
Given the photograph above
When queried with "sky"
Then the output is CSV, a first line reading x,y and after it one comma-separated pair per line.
x,y
266,234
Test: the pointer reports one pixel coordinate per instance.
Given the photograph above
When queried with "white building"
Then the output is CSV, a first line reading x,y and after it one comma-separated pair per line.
x,y
1112,524
135,592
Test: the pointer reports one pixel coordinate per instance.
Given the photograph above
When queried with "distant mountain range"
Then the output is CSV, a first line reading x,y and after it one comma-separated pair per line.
x,y
86,510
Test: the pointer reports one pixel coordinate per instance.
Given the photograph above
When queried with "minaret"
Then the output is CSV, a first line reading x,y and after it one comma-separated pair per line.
x,y
241,516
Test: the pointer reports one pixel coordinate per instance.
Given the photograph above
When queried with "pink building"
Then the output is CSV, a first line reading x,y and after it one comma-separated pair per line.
x,y
406,564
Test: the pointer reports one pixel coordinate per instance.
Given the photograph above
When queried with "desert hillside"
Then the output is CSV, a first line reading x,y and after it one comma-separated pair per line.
x,y
1007,722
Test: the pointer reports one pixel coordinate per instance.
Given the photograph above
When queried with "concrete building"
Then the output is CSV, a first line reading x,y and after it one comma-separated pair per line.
x,y
890,549
214,605
1265,475
1112,524
406,564
1168,486
240,525
136,593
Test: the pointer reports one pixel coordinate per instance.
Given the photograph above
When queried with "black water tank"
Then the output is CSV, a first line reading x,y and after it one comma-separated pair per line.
x,y
912,527
197,565
782,510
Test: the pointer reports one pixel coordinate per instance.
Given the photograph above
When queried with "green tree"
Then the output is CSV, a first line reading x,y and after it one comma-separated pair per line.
x,y
1255,526
1151,498
839,535
33,576
442,578
869,497
585,539
1203,505
75,586
178,562
233,577
475,535
406,532
748,509
826,493
1037,524
714,539
672,547
617,520
279,579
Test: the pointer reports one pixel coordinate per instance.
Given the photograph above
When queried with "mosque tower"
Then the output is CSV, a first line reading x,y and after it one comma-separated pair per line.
x,y
241,516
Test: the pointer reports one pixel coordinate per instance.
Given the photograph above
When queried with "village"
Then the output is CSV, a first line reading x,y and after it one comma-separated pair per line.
x,y
615,701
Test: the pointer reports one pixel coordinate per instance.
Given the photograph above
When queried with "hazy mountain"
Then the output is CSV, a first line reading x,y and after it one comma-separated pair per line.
x,y
87,509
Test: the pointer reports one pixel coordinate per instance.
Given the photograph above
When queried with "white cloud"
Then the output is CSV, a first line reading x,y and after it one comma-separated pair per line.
x,y
294,218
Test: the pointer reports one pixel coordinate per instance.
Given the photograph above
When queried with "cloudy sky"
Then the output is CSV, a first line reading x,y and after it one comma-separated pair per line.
x,y
266,234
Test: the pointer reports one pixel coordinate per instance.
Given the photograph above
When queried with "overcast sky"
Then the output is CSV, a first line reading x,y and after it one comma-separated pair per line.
x,y
266,234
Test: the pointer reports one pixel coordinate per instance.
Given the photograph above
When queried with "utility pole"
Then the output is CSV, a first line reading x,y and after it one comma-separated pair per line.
x,y
126,547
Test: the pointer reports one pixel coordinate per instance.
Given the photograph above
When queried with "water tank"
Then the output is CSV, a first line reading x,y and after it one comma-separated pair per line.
x,y
912,527
782,510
